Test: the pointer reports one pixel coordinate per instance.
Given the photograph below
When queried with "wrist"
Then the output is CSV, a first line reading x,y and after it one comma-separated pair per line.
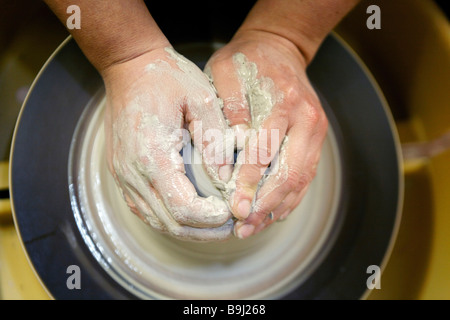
x,y
130,51
114,31
305,23
124,73
270,39
293,41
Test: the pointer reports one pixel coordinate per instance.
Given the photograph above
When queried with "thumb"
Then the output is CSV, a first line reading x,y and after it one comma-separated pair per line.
x,y
223,76
212,138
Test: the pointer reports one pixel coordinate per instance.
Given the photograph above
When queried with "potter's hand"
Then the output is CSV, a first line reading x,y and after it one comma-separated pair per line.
x,y
150,99
262,80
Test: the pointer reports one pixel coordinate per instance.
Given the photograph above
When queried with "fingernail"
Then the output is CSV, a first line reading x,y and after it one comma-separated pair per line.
x,y
245,231
225,173
243,209
284,215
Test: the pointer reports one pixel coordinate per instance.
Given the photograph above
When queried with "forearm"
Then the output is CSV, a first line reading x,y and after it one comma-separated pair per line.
x,y
112,31
303,22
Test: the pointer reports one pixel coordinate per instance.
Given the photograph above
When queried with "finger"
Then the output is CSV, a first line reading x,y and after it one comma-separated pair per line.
x,y
224,232
292,172
234,102
150,204
160,218
157,161
295,204
142,209
273,192
244,229
301,159
183,202
291,202
216,146
179,194
132,188
307,130
211,136
284,206
228,85
253,161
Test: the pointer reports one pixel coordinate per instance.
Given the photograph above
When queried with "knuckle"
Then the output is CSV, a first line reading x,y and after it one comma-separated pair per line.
x,y
297,181
202,99
292,180
307,102
179,217
208,98
200,214
312,114
260,209
176,231
150,218
219,63
313,171
292,95
181,210
323,123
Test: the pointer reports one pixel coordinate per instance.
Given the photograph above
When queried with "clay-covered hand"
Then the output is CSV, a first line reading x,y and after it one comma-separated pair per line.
x,y
153,102
262,80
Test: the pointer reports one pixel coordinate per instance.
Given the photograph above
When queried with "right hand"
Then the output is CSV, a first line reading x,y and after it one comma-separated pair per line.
x,y
150,100
262,80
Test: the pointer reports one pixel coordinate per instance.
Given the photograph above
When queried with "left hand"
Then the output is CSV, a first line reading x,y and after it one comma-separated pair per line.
x,y
262,80
151,101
